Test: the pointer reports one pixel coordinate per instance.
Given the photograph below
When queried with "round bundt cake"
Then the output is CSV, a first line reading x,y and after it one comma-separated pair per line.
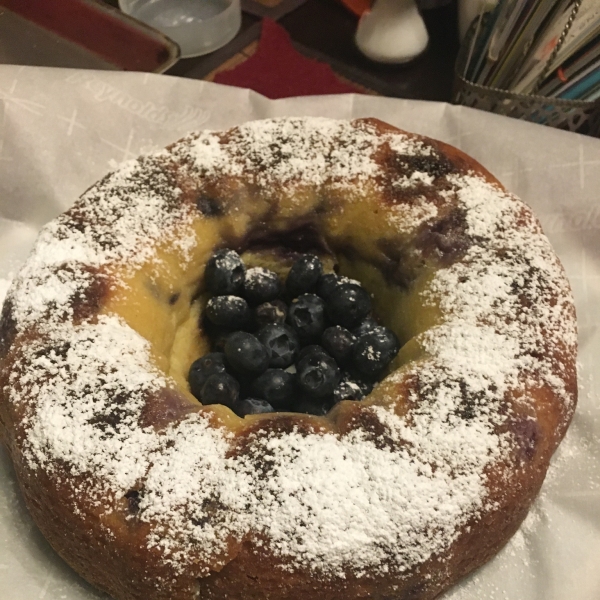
x,y
150,494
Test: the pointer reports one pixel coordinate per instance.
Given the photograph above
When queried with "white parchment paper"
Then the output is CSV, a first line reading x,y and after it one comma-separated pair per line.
x,y
61,130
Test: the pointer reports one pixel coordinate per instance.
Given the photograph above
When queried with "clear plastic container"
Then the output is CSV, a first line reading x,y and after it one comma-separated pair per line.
x,y
198,26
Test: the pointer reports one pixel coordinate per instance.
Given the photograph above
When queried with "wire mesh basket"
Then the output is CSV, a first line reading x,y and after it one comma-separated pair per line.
x,y
572,115
580,116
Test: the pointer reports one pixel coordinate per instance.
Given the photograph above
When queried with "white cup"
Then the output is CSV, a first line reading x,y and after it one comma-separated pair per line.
x,y
198,26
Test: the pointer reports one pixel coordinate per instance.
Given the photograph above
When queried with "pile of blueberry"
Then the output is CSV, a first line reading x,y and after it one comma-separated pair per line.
x,y
300,345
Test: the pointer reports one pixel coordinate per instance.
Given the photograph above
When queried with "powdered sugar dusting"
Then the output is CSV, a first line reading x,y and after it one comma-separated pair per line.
x,y
480,355
332,503
406,218
100,362
192,463
329,503
502,296
133,210
294,152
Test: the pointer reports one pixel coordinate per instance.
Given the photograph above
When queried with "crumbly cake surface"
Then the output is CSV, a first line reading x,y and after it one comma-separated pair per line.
x,y
380,496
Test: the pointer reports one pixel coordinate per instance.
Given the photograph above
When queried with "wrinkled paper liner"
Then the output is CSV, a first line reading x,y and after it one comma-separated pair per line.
x,y
64,129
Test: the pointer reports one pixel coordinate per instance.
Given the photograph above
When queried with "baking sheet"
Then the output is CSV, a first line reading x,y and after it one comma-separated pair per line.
x,y
61,130
84,34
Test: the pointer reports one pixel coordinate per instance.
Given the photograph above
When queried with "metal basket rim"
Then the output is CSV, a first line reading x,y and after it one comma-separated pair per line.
x,y
564,102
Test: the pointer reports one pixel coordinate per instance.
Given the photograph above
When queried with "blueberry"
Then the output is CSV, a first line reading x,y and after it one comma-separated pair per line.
x,y
231,312
224,273
246,354
347,390
307,316
328,282
351,388
374,351
348,305
311,349
217,336
261,285
270,312
312,406
203,368
317,375
339,342
220,388
252,406
276,386
282,342
366,326
303,275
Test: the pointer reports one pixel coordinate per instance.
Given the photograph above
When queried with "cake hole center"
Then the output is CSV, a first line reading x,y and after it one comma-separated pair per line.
x,y
296,337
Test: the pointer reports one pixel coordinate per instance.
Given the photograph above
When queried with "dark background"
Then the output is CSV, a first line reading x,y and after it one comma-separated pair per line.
x,y
324,30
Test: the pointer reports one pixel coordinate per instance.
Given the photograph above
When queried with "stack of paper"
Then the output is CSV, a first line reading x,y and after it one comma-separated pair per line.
x,y
545,47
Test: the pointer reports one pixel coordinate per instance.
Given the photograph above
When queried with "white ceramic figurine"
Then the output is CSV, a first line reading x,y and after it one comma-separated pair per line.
x,y
393,31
